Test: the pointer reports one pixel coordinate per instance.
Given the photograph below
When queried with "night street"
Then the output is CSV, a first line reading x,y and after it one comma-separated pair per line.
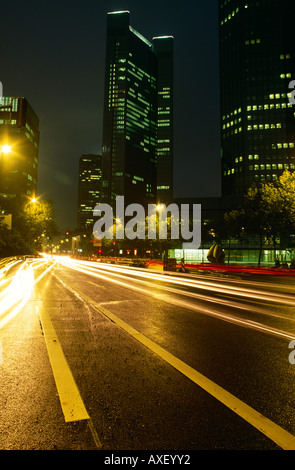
x,y
98,356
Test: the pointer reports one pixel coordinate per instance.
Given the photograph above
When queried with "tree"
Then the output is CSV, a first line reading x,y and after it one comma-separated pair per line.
x,y
31,227
268,211
37,223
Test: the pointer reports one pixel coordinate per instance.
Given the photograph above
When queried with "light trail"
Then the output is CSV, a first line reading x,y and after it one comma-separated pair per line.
x,y
204,285
16,295
19,290
7,266
190,305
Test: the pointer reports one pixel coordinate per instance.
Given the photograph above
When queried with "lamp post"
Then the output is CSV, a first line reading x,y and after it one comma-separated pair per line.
x,y
4,150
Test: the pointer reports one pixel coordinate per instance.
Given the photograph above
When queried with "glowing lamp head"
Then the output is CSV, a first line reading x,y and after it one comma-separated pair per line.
x,y
6,148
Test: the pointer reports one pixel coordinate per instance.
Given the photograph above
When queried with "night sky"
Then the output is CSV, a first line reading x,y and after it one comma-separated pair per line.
x,y
53,53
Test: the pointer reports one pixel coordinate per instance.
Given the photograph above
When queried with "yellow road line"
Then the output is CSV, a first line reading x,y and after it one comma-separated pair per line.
x,y
71,402
277,434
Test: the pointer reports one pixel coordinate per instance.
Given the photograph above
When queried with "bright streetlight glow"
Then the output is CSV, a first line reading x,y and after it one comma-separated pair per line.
x,y
6,148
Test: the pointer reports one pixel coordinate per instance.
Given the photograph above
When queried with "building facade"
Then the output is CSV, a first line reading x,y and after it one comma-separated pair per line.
x,y
138,105
257,63
19,151
163,49
89,189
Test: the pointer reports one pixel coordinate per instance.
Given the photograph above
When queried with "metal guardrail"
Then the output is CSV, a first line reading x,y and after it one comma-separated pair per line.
x,y
5,261
10,259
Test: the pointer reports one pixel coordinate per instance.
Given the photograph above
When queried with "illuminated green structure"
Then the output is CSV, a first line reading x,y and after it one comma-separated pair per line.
x,y
137,147
257,63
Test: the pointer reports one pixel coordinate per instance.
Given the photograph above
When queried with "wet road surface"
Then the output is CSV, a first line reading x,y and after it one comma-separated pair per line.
x,y
104,357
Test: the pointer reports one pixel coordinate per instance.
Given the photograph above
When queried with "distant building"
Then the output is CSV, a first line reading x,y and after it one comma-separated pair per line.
x,y
89,191
137,147
257,63
163,49
19,150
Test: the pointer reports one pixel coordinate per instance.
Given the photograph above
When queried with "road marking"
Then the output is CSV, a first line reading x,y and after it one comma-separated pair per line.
x,y
71,402
277,434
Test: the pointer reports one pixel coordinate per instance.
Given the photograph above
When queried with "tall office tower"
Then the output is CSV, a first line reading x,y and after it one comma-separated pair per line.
x,y
89,190
137,108
257,63
19,150
163,49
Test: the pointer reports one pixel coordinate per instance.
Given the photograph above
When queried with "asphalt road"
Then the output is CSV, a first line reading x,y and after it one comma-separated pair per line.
x,y
103,357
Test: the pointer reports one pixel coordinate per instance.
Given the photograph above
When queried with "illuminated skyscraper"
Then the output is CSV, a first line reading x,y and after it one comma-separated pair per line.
x,y
257,63
19,150
89,189
137,152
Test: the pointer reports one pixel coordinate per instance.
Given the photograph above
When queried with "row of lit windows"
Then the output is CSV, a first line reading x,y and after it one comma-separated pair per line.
x,y
277,96
230,16
6,101
264,126
274,166
260,126
262,177
7,121
227,116
231,123
262,107
269,106
252,41
137,109
256,168
284,145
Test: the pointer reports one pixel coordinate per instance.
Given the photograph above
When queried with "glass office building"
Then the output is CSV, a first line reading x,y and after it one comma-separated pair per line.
x,y
89,189
138,115
257,63
19,151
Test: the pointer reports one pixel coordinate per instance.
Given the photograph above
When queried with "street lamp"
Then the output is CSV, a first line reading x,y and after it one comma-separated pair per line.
x,y
5,149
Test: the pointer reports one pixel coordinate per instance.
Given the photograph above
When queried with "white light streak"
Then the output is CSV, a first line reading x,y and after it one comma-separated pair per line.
x,y
118,276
